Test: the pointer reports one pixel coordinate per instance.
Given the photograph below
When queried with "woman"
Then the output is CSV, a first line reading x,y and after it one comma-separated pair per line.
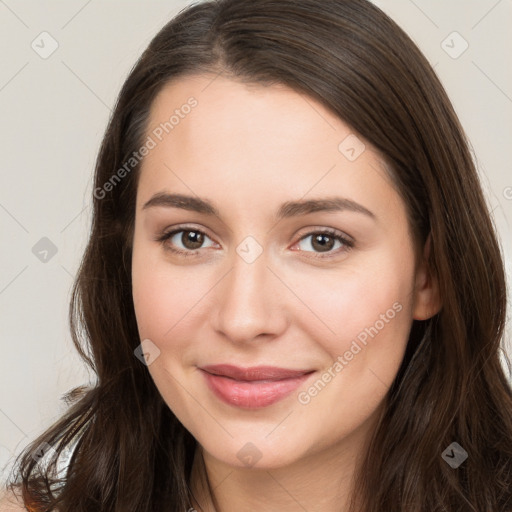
x,y
292,295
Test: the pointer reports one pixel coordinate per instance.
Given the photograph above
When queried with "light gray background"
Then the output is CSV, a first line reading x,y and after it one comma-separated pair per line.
x,y
54,112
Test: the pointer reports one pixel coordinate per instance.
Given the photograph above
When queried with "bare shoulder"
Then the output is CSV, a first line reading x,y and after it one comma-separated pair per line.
x,y
9,502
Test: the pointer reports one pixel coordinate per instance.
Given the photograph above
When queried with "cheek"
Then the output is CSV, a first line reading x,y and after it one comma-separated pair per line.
x,y
369,308
162,295
163,300
348,300
150,295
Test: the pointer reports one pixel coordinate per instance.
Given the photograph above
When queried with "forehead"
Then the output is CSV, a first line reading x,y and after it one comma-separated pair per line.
x,y
251,144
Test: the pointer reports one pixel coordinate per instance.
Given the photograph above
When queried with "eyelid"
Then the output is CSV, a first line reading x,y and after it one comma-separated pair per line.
x,y
166,234
310,230
345,239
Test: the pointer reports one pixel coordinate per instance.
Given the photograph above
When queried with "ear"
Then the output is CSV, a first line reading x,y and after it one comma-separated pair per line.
x,y
427,300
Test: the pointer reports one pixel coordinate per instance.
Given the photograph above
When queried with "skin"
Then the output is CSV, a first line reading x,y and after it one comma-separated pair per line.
x,y
248,149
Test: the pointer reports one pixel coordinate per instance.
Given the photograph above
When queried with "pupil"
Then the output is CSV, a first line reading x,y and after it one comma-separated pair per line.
x,y
320,239
192,237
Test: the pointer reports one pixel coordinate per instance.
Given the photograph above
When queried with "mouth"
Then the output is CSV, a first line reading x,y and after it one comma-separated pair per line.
x,y
253,387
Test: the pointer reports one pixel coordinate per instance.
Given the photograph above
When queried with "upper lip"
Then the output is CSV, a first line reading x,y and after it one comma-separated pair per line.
x,y
254,372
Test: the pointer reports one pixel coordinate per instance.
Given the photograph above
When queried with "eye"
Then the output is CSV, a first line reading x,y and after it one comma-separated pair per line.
x,y
190,239
324,241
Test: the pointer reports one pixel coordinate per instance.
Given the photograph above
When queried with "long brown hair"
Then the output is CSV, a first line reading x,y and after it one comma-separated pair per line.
x,y
132,454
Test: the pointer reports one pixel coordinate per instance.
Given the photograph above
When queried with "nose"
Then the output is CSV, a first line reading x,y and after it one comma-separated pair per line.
x,y
250,302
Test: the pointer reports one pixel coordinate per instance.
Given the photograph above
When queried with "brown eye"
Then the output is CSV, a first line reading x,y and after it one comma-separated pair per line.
x,y
192,239
184,241
322,242
325,241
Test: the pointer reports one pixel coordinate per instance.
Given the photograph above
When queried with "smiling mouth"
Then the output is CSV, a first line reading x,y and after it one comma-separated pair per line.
x,y
253,387
253,373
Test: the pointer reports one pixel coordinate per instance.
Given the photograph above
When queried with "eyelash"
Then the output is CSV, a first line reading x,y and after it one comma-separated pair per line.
x,y
349,244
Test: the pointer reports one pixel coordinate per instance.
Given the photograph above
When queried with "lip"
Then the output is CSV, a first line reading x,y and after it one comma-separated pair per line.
x,y
253,387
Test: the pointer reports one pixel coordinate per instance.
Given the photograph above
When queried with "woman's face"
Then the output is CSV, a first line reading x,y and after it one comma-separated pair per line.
x,y
256,280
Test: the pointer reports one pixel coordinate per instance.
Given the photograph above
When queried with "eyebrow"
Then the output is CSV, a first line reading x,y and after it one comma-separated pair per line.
x,y
286,210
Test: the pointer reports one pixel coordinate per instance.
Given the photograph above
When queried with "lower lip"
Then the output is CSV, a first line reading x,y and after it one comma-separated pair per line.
x,y
254,394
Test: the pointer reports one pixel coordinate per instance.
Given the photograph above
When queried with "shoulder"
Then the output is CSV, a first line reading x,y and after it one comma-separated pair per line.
x,y
9,502
12,502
